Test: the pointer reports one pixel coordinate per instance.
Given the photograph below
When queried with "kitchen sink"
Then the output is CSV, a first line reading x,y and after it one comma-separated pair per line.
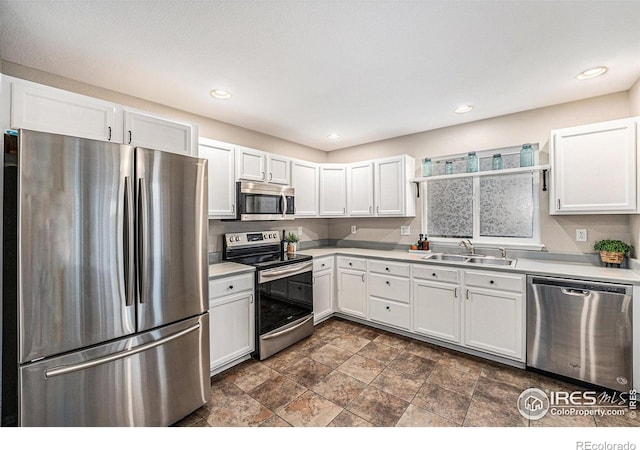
x,y
446,257
471,259
491,261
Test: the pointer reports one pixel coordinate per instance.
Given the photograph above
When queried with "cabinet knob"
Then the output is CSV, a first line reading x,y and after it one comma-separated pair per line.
x,y
388,283
323,265
491,282
388,308
351,264
434,274
231,287
386,268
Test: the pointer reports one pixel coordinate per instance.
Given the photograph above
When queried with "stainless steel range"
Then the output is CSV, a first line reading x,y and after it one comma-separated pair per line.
x,y
284,289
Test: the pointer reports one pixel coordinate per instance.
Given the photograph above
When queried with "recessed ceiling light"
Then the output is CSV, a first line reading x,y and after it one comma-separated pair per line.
x,y
463,109
591,73
334,136
220,94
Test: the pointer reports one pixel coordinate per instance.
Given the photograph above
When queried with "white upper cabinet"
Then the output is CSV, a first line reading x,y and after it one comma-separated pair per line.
x,y
393,190
333,190
43,108
360,189
256,165
594,168
38,107
154,132
304,179
222,194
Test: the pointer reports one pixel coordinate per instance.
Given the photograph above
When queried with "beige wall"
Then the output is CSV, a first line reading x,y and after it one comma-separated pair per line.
x,y
558,232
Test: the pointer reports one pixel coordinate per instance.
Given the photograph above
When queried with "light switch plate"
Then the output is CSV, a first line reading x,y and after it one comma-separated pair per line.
x,y
405,230
353,229
581,235
299,231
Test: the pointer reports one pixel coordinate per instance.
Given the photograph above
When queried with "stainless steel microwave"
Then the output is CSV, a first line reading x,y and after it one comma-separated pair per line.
x,y
262,201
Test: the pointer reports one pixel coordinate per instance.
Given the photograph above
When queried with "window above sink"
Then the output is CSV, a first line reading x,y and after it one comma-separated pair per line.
x,y
491,207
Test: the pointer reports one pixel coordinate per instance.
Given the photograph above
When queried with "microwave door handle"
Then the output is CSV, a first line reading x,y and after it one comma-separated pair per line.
x,y
284,203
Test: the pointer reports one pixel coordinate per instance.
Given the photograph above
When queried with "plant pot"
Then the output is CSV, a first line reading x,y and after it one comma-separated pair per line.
x,y
612,257
291,247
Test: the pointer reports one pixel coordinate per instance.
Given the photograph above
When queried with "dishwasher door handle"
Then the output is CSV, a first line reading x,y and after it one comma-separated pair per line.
x,y
576,292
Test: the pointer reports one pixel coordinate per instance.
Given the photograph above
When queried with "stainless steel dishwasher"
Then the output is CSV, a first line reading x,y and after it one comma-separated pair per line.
x,y
580,330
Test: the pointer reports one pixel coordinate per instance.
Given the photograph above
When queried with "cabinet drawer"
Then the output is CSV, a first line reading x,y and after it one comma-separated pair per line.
x,y
323,263
390,268
435,273
230,285
393,288
345,262
389,312
493,280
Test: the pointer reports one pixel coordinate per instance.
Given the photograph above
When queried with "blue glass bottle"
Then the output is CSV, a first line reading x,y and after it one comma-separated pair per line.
x,y
427,168
448,168
526,156
496,162
472,162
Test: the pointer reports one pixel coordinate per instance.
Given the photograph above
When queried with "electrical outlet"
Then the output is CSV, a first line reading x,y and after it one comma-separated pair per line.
x,y
299,231
353,229
405,230
581,235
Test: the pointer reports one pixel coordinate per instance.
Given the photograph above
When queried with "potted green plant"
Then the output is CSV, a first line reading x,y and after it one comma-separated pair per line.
x,y
292,242
611,250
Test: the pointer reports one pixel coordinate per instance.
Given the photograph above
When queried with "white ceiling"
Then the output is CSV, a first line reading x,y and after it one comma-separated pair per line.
x,y
299,70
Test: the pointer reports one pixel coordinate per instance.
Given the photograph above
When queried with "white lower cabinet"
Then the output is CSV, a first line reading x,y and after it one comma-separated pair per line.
x,y
232,320
436,310
495,318
352,286
323,288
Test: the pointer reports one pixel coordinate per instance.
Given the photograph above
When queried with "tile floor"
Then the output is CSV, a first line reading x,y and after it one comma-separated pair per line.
x,y
351,375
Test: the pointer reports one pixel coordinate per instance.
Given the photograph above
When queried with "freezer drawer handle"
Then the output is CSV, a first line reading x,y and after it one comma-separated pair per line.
x,y
63,370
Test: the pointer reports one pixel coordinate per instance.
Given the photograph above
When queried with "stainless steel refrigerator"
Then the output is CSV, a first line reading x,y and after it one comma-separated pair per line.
x,y
105,278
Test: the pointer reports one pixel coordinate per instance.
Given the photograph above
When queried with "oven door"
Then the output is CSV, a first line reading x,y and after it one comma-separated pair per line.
x,y
285,307
259,201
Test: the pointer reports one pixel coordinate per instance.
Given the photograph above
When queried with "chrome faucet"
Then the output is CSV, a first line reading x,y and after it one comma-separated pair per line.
x,y
503,251
468,246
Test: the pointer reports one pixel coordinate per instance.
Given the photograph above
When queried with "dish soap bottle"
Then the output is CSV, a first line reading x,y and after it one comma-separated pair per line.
x,y
420,242
425,243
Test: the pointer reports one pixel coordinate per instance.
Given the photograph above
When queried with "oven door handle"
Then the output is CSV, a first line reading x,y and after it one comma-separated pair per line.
x,y
295,269
288,330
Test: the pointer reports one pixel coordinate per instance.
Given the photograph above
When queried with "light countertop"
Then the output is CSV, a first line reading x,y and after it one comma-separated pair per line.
x,y
523,265
223,269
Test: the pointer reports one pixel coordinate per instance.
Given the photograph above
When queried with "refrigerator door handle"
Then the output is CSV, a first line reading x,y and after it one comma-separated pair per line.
x,y
62,370
143,221
129,274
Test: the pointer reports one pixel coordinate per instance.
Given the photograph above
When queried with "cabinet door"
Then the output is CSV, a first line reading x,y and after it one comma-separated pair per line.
x,y
222,193
494,322
360,189
352,292
42,108
250,164
157,133
278,170
304,179
333,195
594,169
322,294
232,328
436,310
390,187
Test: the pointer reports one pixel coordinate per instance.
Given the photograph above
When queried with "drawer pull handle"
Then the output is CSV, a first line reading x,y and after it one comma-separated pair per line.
x,y
363,278
455,293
